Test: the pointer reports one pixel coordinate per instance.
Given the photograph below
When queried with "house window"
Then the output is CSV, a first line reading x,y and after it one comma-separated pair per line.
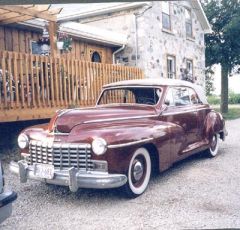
x,y
35,47
171,67
188,22
96,57
189,66
166,21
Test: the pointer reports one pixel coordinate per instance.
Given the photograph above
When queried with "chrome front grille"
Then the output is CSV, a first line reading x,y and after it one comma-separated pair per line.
x,y
61,155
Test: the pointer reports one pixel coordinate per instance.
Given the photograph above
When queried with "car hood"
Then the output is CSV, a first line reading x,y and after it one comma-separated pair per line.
x,y
67,119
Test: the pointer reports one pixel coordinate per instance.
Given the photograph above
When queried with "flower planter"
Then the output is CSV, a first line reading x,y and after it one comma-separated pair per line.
x,y
60,45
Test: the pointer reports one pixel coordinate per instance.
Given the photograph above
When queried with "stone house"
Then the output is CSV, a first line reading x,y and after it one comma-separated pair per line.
x,y
164,38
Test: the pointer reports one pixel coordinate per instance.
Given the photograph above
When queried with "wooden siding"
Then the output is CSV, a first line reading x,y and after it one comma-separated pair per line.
x,y
18,40
33,87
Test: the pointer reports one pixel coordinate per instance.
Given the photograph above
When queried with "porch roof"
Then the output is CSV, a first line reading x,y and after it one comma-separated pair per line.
x,y
86,32
93,33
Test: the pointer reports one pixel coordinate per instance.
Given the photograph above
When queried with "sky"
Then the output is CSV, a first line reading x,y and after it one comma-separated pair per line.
x,y
233,82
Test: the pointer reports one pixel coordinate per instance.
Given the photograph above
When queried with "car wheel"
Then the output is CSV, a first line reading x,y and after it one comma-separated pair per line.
x,y
139,172
214,145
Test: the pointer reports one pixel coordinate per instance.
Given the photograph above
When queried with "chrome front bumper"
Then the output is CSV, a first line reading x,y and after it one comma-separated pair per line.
x,y
73,178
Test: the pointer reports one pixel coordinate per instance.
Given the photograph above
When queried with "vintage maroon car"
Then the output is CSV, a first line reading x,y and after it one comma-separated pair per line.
x,y
136,127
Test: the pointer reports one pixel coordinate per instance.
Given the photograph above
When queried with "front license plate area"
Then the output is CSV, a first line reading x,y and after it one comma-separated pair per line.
x,y
44,171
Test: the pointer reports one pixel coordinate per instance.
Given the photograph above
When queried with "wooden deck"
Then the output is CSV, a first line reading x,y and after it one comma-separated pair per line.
x,y
34,87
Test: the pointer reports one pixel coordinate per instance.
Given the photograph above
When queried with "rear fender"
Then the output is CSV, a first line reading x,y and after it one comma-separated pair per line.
x,y
214,124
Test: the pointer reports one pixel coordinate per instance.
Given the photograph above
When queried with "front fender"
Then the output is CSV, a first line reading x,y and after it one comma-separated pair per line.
x,y
123,139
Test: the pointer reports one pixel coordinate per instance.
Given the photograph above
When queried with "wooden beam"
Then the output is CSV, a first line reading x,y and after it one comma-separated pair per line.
x,y
8,15
30,12
14,20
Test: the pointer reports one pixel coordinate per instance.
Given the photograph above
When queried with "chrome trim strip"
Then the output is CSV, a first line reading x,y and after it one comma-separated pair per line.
x,y
64,144
60,134
130,143
186,111
118,119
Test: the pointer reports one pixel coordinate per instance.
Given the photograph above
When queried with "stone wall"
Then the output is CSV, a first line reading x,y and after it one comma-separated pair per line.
x,y
149,47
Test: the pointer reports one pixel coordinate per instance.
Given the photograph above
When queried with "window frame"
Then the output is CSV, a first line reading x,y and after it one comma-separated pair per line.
x,y
167,15
174,75
188,22
189,60
99,56
31,47
199,102
129,104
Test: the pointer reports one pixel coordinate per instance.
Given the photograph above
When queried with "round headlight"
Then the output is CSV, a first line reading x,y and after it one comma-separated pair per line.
x,y
23,141
99,146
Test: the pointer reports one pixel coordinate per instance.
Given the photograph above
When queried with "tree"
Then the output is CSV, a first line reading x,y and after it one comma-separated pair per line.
x,y
209,82
223,45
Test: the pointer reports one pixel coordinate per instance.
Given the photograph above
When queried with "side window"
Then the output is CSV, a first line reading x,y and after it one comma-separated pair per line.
x,y
181,96
193,96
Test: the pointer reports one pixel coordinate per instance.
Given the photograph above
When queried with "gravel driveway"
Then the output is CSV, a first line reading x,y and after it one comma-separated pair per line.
x,y
196,193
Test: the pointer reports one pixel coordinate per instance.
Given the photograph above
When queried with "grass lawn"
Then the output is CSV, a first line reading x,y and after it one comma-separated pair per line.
x,y
233,111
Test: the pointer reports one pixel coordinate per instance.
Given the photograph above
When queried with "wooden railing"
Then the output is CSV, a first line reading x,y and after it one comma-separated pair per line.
x,y
39,85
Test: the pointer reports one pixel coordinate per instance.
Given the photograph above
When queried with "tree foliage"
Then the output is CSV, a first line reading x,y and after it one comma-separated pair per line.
x,y
223,45
209,82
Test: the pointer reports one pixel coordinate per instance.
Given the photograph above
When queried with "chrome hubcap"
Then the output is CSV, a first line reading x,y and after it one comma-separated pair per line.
x,y
137,170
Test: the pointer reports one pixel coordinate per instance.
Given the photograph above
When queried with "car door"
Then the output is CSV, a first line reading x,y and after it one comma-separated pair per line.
x,y
202,111
183,119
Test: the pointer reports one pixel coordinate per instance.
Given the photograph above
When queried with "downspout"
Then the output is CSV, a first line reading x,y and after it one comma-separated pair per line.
x,y
117,51
136,37
136,15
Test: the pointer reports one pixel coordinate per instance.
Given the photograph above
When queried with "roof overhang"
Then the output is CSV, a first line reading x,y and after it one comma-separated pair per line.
x,y
83,31
91,33
100,11
197,7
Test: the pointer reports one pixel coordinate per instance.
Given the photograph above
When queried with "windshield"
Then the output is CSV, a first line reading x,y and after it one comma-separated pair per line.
x,y
130,95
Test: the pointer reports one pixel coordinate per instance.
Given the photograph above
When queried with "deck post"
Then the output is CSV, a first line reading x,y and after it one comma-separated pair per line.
x,y
52,36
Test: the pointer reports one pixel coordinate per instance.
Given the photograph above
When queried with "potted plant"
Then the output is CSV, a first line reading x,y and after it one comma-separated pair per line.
x,y
44,40
64,42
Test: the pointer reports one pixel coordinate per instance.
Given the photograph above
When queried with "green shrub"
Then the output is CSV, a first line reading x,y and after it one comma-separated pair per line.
x,y
234,98
214,100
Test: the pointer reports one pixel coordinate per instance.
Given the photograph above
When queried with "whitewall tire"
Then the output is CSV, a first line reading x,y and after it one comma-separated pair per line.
x,y
213,146
139,173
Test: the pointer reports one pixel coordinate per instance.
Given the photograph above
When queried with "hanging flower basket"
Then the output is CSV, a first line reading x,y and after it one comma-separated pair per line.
x,y
44,40
64,42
